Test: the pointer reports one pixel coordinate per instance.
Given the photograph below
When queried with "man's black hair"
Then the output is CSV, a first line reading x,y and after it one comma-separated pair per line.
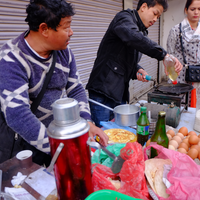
x,y
152,3
47,11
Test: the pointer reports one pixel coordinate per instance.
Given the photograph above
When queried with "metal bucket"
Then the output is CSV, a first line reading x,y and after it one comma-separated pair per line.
x,y
126,115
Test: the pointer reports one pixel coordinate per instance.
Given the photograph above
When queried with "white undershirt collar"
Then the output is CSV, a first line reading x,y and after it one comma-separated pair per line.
x,y
33,50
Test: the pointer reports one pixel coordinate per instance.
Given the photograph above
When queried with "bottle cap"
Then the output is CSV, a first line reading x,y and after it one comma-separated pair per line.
x,y
162,113
143,109
174,82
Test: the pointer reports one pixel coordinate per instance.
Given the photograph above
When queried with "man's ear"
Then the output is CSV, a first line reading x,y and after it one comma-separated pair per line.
x,y
143,7
43,29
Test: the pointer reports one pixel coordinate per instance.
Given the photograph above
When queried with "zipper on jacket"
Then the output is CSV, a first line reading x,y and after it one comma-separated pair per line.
x,y
16,136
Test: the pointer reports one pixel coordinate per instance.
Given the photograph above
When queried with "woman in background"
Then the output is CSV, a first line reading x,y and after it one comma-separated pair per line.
x,y
190,36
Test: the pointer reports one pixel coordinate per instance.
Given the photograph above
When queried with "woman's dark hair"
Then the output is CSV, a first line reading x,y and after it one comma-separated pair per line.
x,y
152,3
47,11
187,4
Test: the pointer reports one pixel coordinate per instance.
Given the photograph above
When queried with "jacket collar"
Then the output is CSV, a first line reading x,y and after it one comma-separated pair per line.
x,y
139,22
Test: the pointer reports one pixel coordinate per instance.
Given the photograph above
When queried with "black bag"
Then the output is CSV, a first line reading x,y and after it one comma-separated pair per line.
x,y
12,143
192,71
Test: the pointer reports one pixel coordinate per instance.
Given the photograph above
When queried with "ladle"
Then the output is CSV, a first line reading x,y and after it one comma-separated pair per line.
x,y
118,161
100,104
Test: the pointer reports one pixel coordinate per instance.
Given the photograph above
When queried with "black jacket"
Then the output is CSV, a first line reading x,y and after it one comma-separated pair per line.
x,y
119,53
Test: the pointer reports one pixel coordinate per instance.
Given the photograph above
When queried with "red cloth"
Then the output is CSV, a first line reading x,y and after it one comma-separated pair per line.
x,y
193,98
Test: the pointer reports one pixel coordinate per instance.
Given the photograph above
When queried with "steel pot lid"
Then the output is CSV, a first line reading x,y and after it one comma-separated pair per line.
x,y
65,111
67,122
179,88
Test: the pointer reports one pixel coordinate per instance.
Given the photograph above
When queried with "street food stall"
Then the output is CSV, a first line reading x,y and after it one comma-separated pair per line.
x,y
175,171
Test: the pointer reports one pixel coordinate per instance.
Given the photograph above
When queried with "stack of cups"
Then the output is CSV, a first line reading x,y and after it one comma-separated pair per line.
x,y
152,124
152,127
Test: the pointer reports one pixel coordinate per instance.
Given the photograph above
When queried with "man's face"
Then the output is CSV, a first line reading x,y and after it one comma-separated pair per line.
x,y
150,15
60,39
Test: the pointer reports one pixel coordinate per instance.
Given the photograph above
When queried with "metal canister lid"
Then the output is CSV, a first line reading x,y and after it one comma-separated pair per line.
x,y
67,122
162,113
65,111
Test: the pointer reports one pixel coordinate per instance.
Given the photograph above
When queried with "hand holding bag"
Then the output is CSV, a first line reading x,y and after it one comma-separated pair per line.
x,y
192,71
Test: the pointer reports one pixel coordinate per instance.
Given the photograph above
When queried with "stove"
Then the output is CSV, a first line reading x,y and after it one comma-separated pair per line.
x,y
168,93
169,98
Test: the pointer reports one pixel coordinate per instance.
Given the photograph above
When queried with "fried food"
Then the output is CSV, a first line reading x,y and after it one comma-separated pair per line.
x,y
120,136
154,172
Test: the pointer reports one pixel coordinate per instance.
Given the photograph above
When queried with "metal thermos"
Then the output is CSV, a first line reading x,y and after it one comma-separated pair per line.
x,y
73,166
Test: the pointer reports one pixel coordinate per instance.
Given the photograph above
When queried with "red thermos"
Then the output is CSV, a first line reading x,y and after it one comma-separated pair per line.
x,y
73,166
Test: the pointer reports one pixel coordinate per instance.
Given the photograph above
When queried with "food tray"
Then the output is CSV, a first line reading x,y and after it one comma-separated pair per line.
x,y
108,195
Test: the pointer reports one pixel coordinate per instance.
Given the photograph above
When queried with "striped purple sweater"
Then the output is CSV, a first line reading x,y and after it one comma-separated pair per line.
x,y
22,74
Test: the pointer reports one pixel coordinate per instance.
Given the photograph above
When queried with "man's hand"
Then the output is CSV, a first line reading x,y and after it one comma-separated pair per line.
x,y
141,75
94,130
178,65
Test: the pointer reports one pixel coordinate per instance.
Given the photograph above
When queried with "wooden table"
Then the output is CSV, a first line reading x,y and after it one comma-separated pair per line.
x,y
11,167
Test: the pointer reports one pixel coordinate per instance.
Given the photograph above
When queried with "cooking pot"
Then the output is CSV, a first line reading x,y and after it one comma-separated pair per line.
x,y
125,115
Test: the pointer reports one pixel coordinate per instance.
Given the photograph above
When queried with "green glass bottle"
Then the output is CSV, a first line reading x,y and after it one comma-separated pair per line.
x,y
142,127
159,136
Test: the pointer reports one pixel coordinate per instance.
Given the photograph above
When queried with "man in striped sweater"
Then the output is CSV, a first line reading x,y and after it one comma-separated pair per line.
x,y
24,62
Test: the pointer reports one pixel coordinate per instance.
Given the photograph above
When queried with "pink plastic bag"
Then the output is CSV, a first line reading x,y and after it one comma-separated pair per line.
x,y
184,174
133,182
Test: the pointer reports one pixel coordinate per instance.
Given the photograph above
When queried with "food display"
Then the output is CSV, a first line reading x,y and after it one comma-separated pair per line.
x,y
184,142
168,175
120,135
162,173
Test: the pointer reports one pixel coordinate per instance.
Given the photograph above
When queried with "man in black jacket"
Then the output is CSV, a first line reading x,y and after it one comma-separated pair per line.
x,y
118,55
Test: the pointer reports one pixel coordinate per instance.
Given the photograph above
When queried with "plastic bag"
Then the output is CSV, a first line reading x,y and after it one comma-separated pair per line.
x,y
104,159
184,174
133,182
